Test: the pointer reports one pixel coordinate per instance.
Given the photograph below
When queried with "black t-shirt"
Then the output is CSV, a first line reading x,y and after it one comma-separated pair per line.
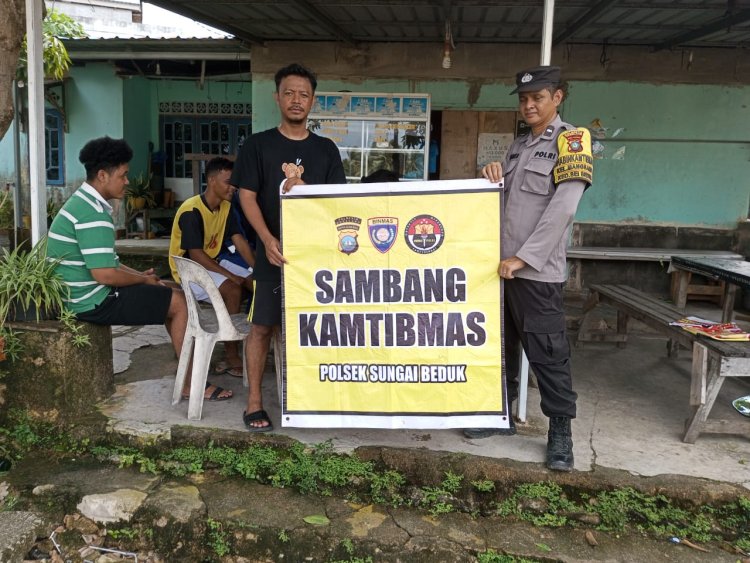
x,y
193,230
258,168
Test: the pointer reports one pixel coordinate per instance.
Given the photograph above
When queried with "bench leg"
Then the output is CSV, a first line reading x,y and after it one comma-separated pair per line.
x,y
680,287
705,384
727,309
583,330
622,328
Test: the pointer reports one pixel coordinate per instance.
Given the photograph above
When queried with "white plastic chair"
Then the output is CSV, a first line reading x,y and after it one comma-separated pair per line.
x,y
205,327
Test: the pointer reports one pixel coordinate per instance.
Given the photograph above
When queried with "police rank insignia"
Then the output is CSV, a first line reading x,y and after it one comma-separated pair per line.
x,y
424,234
383,231
348,228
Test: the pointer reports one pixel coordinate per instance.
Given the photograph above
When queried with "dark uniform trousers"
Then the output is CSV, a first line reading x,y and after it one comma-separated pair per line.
x,y
534,318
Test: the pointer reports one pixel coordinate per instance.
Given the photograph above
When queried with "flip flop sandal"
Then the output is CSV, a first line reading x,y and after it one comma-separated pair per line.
x,y
216,395
221,368
262,415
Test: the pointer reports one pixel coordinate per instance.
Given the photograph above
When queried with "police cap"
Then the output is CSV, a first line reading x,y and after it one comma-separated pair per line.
x,y
537,78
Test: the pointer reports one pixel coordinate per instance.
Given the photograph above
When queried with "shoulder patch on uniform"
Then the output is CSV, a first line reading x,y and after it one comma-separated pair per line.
x,y
575,161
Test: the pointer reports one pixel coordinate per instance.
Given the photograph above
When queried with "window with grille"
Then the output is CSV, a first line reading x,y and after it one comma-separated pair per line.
x,y
181,135
53,147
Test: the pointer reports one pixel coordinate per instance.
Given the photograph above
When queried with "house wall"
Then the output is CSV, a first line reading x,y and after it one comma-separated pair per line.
x,y
138,117
93,104
685,127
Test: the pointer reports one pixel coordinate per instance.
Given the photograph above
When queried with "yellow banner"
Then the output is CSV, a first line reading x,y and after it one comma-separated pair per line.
x,y
392,306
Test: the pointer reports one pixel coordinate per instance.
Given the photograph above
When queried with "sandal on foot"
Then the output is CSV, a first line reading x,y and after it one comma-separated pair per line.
x,y
222,368
256,416
215,395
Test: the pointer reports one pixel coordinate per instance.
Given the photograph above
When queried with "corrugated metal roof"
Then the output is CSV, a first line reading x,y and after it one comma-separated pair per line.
x,y
656,23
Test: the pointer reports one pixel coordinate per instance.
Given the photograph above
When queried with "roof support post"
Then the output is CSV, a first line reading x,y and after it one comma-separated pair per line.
x,y
37,166
547,25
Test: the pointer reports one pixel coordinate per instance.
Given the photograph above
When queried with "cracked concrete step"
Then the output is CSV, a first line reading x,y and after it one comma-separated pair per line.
x,y
18,533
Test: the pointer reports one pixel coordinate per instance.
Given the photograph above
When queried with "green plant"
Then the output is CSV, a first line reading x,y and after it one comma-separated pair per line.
x,y
218,540
68,320
139,188
123,533
28,280
56,25
483,485
53,207
283,536
7,219
439,499
491,556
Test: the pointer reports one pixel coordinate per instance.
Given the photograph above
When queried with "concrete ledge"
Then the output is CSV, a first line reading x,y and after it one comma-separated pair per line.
x,y
53,379
18,533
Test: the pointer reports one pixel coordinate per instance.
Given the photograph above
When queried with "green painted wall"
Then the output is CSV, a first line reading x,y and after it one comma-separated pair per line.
x,y
93,102
687,162
138,114
671,176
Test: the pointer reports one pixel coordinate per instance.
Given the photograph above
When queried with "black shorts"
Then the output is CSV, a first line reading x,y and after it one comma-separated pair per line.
x,y
266,309
134,305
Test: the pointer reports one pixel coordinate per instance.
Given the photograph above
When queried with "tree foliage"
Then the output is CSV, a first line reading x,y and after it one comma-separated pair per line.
x,y
13,64
55,27
11,39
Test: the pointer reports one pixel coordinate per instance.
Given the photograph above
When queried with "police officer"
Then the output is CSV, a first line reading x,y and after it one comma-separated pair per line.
x,y
545,173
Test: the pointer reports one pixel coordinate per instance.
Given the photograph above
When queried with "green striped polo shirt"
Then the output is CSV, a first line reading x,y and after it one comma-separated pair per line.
x,y
82,237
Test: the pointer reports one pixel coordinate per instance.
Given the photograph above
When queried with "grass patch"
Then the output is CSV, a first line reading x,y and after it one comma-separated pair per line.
x,y
321,471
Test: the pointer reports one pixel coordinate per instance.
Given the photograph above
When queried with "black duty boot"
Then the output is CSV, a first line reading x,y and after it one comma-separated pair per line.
x,y
477,433
559,444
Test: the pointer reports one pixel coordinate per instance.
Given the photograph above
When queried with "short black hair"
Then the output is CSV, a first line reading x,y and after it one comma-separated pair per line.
x,y
381,175
104,153
295,69
217,165
562,86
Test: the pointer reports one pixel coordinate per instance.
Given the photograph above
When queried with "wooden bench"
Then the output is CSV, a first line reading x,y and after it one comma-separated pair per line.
x,y
713,360
663,255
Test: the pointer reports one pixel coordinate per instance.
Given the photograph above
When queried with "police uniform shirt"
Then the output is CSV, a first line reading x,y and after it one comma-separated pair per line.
x,y
539,210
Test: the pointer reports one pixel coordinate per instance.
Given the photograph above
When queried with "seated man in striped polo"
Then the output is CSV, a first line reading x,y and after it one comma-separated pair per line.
x,y
82,237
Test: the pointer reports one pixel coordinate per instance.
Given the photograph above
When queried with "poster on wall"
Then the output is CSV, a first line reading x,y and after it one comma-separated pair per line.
x,y
375,131
392,306
492,147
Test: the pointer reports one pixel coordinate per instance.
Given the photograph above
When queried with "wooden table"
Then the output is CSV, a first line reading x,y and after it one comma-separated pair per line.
x,y
734,274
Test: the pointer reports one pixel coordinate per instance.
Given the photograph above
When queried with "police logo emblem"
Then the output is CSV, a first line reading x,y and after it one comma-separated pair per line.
x,y
526,78
348,228
424,234
574,141
383,231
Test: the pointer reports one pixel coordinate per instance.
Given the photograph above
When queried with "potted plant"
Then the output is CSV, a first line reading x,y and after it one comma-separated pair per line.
x,y
138,194
30,290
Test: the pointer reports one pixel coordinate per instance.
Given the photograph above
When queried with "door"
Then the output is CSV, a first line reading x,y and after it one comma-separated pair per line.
x,y
466,134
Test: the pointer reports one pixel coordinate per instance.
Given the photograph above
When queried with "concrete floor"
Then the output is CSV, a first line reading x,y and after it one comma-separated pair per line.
x,y
631,409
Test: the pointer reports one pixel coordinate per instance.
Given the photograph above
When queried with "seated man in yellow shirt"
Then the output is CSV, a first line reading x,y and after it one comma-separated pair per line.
x,y
200,226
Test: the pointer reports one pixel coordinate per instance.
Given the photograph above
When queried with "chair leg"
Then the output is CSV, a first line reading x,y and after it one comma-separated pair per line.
x,y
201,360
182,367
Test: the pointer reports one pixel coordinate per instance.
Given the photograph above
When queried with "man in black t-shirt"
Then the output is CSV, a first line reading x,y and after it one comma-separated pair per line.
x,y
290,155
